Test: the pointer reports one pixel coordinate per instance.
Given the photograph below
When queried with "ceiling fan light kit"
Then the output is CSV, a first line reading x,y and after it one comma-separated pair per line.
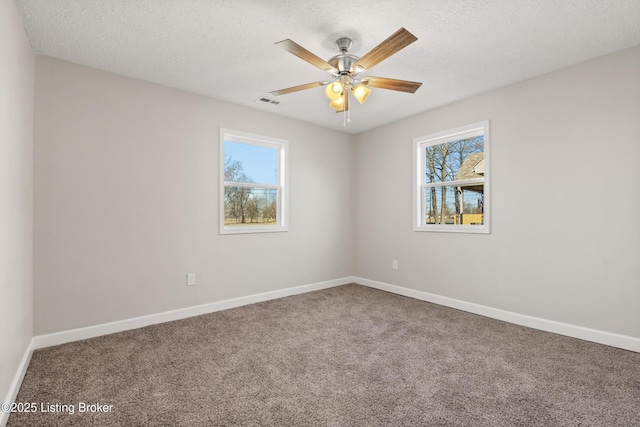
x,y
344,68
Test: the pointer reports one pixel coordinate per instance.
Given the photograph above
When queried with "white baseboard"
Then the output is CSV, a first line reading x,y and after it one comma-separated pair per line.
x,y
594,335
601,337
17,382
57,338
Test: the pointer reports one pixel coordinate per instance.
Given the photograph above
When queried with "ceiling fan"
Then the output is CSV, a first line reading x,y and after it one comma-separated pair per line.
x,y
345,67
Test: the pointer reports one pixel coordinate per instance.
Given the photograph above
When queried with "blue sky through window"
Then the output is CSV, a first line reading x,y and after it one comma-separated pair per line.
x,y
259,163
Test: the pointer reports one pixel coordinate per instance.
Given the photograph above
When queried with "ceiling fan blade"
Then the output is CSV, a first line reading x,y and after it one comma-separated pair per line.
x,y
397,41
304,54
297,88
391,84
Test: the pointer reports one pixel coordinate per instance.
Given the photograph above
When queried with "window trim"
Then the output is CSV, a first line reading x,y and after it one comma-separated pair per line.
x,y
419,171
281,186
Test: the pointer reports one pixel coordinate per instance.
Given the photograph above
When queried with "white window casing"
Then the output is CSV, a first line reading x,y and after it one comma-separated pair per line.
x,y
280,187
456,178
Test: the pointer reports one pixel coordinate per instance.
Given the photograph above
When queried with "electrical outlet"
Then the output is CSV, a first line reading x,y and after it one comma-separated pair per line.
x,y
191,279
394,265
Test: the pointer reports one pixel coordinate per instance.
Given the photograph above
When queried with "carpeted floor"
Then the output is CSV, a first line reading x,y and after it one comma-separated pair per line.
x,y
345,356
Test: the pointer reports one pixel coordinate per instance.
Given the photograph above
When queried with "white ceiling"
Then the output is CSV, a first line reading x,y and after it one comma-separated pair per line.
x,y
225,49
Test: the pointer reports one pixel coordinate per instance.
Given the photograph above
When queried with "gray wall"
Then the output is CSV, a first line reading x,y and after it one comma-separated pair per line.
x,y
126,191
126,201
16,193
565,232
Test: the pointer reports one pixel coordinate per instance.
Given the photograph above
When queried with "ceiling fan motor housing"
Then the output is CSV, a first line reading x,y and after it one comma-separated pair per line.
x,y
343,62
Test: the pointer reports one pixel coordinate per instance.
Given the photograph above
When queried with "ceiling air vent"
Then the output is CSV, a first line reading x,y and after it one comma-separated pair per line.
x,y
267,100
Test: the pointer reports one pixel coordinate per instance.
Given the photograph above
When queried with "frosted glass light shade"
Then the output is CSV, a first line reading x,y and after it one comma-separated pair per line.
x,y
334,90
337,104
361,93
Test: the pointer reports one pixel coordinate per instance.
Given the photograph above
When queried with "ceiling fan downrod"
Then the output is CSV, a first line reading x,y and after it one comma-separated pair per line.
x,y
344,44
343,61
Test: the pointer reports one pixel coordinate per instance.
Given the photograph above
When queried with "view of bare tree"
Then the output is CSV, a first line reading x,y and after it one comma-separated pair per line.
x,y
443,163
245,203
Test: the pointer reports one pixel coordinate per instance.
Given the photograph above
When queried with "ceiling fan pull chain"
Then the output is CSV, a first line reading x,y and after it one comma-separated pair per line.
x,y
347,110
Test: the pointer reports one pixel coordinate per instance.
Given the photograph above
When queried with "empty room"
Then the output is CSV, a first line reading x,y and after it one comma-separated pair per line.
x,y
299,213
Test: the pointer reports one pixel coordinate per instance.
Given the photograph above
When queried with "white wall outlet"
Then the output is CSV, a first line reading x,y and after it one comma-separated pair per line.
x,y
394,264
191,279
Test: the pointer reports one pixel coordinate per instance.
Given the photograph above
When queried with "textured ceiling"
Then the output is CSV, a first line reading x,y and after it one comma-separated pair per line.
x,y
225,49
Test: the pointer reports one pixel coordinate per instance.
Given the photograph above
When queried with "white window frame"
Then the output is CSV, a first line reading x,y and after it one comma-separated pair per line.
x,y
420,186
281,186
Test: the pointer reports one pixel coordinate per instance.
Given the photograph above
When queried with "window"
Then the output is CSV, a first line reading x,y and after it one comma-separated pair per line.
x,y
253,176
451,180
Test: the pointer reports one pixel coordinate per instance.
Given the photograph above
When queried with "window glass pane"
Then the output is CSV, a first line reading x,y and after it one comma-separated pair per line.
x,y
250,206
455,160
250,163
454,205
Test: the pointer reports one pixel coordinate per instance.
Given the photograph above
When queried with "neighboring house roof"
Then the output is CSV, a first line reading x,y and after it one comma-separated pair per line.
x,y
472,167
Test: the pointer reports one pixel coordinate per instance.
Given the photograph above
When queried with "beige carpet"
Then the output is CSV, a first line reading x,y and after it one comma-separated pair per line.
x,y
346,356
